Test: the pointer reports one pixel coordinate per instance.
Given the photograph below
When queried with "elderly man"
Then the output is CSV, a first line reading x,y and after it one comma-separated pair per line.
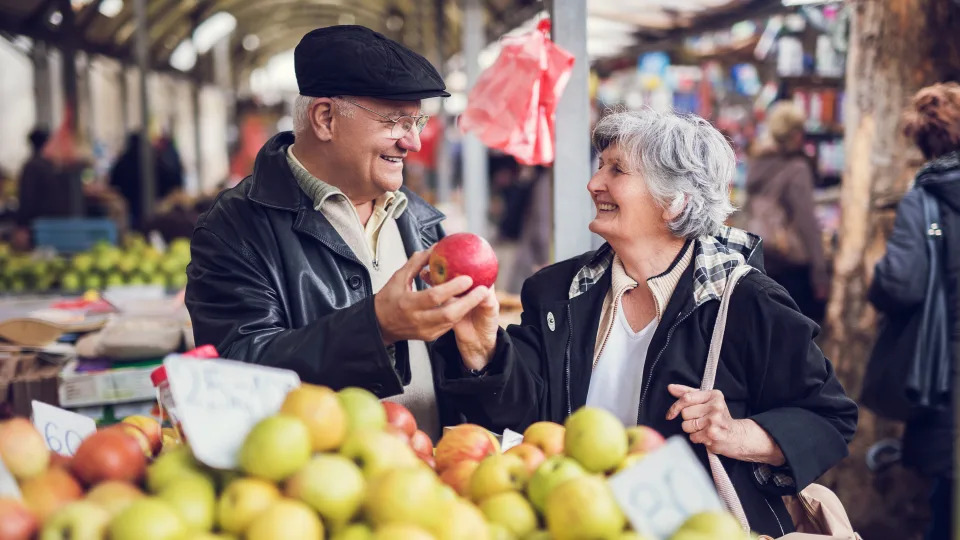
x,y
312,263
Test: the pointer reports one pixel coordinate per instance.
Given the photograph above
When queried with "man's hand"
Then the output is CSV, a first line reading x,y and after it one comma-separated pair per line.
x,y
707,419
404,313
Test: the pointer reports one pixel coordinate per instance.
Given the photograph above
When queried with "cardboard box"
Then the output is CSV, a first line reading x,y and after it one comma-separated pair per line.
x,y
84,383
24,378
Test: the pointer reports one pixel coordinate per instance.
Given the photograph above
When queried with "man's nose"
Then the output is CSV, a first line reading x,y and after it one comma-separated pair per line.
x,y
410,141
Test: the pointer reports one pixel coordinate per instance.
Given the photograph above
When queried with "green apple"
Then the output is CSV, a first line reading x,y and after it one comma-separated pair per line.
x,y
195,498
405,495
632,535
401,531
332,484
364,410
355,531
79,520
82,262
512,511
286,518
147,519
583,507
207,535
711,524
377,451
539,535
169,466
459,520
275,448
114,495
499,532
596,438
70,281
242,500
496,474
551,473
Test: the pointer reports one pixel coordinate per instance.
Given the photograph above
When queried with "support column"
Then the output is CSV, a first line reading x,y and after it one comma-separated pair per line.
x,y
147,171
43,96
572,208
476,190
68,51
444,167
197,131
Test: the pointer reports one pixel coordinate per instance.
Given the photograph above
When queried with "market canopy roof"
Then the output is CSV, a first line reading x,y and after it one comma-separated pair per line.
x,y
267,27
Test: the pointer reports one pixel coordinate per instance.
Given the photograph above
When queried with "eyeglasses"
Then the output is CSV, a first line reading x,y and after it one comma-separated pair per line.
x,y
402,125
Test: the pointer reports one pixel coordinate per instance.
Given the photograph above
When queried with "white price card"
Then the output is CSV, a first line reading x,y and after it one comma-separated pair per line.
x,y
63,430
8,484
665,488
219,401
510,439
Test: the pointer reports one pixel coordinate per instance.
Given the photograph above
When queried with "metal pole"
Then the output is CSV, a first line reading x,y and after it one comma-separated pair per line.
x,y
198,132
147,176
572,207
444,167
476,191
42,92
68,50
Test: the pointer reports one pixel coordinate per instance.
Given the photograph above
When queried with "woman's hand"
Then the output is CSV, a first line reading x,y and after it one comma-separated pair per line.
x,y
476,333
707,419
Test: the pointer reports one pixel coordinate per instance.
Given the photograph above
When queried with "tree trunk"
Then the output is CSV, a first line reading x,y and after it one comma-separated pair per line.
x,y
896,48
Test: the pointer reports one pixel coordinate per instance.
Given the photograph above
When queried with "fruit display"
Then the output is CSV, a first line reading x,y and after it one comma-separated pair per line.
x,y
339,465
104,265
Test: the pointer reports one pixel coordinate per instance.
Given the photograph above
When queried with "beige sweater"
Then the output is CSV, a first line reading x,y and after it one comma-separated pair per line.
x,y
379,247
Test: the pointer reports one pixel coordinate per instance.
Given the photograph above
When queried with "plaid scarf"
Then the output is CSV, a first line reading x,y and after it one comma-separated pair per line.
x,y
714,259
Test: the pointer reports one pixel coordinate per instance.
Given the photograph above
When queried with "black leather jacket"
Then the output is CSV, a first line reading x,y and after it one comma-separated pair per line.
x,y
271,282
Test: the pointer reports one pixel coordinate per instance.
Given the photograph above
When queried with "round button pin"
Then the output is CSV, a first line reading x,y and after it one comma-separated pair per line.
x,y
551,322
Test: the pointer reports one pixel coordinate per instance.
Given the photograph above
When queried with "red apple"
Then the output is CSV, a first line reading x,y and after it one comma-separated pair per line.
x,y
59,460
394,430
110,454
531,455
400,416
462,442
16,521
463,254
643,440
547,436
150,428
458,476
140,437
421,443
47,492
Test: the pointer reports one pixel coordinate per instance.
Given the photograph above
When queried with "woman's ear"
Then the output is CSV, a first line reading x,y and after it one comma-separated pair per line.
x,y
322,118
675,208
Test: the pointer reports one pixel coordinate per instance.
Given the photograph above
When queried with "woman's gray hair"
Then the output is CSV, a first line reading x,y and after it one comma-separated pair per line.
x,y
686,162
301,113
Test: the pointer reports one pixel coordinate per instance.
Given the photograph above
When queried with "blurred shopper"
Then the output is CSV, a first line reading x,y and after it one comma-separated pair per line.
x,y
125,176
627,327
42,190
780,209
900,287
312,262
533,248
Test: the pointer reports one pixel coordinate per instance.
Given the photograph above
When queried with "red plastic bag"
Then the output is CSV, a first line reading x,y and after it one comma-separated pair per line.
x,y
513,103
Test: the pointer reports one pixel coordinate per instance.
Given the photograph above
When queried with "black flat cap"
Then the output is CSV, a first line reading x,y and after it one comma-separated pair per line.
x,y
350,60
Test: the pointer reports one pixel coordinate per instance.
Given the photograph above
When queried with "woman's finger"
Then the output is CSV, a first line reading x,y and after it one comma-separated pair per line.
x,y
696,397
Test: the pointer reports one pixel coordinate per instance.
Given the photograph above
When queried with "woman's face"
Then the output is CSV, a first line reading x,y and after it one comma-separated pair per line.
x,y
626,211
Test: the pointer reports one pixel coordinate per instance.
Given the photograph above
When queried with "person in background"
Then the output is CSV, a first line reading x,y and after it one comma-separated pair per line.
x,y
533,248
780,209
41,190
125,175
932,122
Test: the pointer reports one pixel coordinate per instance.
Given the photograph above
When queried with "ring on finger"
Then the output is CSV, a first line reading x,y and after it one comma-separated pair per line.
x,y
696,424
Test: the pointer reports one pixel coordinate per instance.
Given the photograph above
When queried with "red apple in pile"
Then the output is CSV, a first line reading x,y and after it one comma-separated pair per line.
x,y
643,439
463,442
421,443
531,455
400,416
16,521
463,254
110,454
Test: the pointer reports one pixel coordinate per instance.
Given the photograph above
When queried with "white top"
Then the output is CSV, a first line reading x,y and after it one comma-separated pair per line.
x,y
617,381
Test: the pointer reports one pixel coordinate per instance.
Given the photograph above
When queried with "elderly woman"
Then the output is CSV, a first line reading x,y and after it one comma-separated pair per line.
x,y
627,327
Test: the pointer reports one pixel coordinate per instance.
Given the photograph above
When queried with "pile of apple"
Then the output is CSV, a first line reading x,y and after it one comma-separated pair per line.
x,y
340,465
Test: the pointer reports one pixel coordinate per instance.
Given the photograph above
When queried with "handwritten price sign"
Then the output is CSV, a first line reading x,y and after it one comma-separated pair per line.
x,y
219,401
63,430
665,488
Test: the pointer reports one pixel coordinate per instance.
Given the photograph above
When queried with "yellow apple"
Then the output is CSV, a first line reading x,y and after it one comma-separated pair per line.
x,y
553,472
276,447
362,408
286,518
147,519
547,436
22,448
242,500
331,484
511,510
195,498
583,507
595,438
496,474
320,409
79,520
406,495
114,495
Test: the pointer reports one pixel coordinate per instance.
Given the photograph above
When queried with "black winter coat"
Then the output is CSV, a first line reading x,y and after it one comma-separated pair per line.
x,y
271,282
770,369
898,290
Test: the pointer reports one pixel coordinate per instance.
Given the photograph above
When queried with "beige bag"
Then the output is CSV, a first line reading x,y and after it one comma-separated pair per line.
x,y
816,511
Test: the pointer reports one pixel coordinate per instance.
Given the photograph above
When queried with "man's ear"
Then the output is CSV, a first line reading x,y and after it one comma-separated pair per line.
x,y
322,118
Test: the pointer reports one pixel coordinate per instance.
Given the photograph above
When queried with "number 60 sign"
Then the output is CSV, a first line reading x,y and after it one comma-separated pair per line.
x,y
63,430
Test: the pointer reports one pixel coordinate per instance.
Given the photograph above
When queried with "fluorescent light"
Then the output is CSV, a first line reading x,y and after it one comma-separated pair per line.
x,y
209,32
111,8
184,57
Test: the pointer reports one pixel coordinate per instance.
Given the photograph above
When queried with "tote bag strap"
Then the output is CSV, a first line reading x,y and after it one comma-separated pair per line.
x,y
720,477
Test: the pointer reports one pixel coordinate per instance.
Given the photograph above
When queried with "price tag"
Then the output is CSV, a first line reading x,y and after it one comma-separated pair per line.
x,y
510,439
665,488
219,401
63,430
8,484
